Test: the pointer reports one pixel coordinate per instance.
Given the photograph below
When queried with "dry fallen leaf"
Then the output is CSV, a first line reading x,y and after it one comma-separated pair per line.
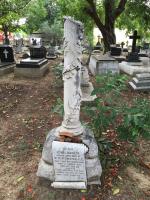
x,y
20,178
115,191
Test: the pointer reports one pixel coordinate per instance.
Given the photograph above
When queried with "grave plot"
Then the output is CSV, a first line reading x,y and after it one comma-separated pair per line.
x,y
35,66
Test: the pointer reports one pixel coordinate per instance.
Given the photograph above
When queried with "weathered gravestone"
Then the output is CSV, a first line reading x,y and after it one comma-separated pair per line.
x,y
19,44
51,54
116,52
6,59
141,82
135,64
35,66
76,164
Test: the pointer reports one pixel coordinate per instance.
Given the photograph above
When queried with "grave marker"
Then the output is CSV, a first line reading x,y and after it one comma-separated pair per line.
x,y
6,54
133,56
6,59
69,161
71,165
135,36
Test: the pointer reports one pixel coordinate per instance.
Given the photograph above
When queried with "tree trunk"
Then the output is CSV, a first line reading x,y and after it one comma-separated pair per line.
x,y
109,36
111,13
5,30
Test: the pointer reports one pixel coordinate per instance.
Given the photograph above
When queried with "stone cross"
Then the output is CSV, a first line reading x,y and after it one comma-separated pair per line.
x,y
73,34
5,53
134,37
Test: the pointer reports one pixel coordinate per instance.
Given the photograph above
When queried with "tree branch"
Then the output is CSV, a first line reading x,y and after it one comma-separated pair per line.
x,y
91,11
120,8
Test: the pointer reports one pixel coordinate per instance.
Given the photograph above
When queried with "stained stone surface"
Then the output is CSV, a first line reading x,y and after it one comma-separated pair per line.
x,y
93,168
47,153
89,140
45,170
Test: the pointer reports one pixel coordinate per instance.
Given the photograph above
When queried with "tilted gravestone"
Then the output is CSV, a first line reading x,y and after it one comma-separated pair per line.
x,y
71,164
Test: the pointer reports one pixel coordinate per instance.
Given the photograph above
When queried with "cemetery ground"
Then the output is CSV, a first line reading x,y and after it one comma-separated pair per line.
x,y
26,117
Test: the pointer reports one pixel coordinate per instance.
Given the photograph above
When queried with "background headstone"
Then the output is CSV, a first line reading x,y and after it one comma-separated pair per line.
x,y
6,54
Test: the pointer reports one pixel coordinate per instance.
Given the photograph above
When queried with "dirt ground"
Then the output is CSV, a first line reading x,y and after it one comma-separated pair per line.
x,y
26,118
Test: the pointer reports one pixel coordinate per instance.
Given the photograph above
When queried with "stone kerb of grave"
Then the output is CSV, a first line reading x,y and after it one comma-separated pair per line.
x,y
141,82
70,153
102,64
136,63
7,62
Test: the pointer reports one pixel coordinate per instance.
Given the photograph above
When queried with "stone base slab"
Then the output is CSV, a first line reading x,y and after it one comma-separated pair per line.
x,y
6,70
31,72
93,166
133,68
141,82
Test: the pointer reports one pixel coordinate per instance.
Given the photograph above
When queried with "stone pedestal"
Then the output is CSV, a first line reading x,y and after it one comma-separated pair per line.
x,y
92,163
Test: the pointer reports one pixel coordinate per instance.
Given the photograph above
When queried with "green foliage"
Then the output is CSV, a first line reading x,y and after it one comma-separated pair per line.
x,y
58,108
110,105
58,70
35,15
136,121
136,16
106,107
104,147
44,16
11,11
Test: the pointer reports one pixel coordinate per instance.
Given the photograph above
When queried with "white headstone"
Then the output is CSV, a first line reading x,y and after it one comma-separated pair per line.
x,y
69,161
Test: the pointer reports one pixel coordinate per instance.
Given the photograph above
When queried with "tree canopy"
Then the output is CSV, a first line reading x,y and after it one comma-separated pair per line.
x,y
105,14
10,12
108,14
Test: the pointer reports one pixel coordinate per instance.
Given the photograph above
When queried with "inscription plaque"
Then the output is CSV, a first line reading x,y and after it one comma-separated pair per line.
x,y
69,161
